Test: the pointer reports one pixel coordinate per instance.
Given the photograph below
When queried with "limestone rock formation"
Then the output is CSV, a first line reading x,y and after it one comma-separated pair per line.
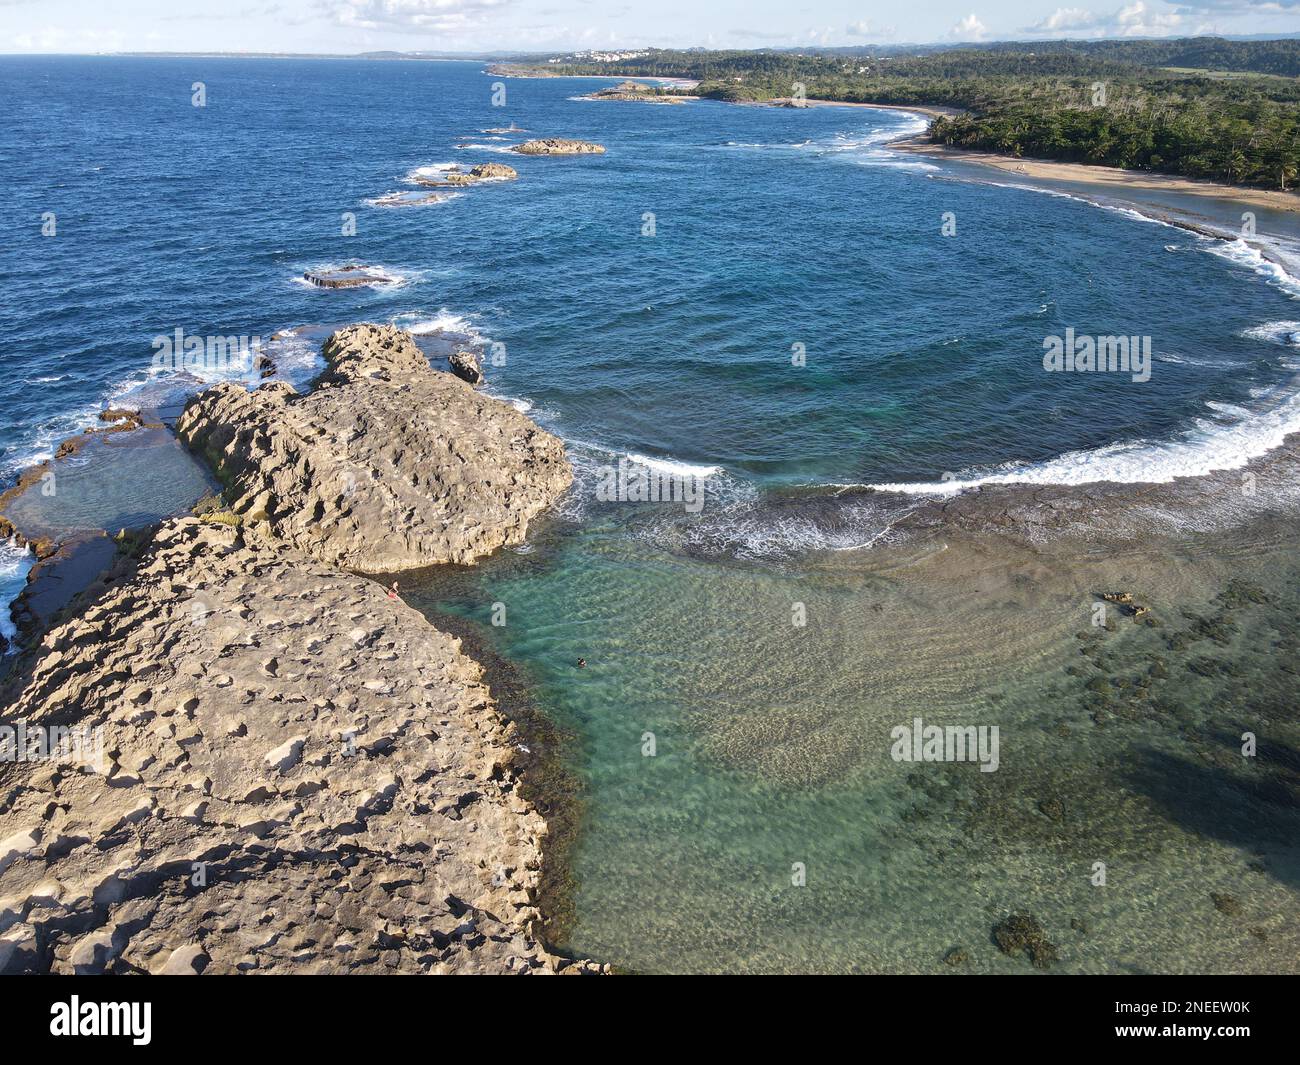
x,y
633,90
558,146
347,277
466,366
386,465
294,773
493,171
457,178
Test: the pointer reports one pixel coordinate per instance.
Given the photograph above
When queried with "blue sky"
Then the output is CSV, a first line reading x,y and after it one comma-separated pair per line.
x,y
470,25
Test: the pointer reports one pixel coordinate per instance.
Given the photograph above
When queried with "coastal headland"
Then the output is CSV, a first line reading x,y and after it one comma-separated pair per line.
x,y
232,754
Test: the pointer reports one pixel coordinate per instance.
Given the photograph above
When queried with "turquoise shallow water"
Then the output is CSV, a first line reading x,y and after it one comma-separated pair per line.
x,y
772,229
772,747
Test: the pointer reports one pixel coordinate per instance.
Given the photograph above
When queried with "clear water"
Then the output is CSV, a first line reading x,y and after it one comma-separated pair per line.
x,y
772,228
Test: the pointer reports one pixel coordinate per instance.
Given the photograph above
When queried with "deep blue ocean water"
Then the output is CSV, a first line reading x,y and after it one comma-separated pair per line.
x,y
772,228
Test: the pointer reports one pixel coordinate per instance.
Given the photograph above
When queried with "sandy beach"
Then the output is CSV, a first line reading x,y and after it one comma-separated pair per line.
x,y
1109,177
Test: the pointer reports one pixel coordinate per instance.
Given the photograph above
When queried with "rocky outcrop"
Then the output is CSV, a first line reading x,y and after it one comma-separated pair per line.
x,y
558,146
466,366
281,769
457,178
347,277
386,465
493,171
408,199
635,91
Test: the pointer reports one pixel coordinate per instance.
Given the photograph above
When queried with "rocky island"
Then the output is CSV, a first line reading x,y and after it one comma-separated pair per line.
x,y
635,91
558,146
457,178
347,277
279,766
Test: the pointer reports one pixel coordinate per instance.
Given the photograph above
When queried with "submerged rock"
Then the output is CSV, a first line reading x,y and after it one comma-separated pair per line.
x,y
387,465
1052,808
558,146
1226,904
284,770
409,199
1020,934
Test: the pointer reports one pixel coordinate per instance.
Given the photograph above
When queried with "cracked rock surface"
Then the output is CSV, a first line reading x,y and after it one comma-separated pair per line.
x,y
386,465
298,774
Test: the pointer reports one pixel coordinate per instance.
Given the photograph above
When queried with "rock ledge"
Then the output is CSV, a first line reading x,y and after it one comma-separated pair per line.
x,y
387,465
297,774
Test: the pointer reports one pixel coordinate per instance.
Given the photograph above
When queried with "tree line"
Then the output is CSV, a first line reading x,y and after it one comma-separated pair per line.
x,y
1110,103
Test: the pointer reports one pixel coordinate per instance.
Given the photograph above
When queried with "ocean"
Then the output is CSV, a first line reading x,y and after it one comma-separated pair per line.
x,y
830,338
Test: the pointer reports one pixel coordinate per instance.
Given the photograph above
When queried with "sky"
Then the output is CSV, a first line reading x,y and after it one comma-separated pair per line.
x,y
346,26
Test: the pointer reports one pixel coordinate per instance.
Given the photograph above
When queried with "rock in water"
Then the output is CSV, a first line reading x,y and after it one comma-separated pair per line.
x,y
1022,934
558,146
387,465
490,171
456,177
347,277
295,773
465,365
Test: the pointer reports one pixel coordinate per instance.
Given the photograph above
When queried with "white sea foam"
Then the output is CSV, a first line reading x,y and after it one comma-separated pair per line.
x,y
430,170
865,147
674,468
1287,332
15,561
1243,254
500,149
1227,443
1136,216
422,323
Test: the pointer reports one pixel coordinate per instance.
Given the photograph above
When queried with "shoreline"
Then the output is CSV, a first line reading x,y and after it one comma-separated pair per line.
x,y
1055,170
930,111
546,782
1103,176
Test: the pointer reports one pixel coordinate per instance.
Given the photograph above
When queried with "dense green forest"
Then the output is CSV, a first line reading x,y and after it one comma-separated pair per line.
x,y
1205,108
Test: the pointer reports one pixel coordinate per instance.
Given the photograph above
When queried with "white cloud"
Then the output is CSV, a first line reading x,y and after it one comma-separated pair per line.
x,y
969,29
1134,20
424,16
1066,18
58,39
